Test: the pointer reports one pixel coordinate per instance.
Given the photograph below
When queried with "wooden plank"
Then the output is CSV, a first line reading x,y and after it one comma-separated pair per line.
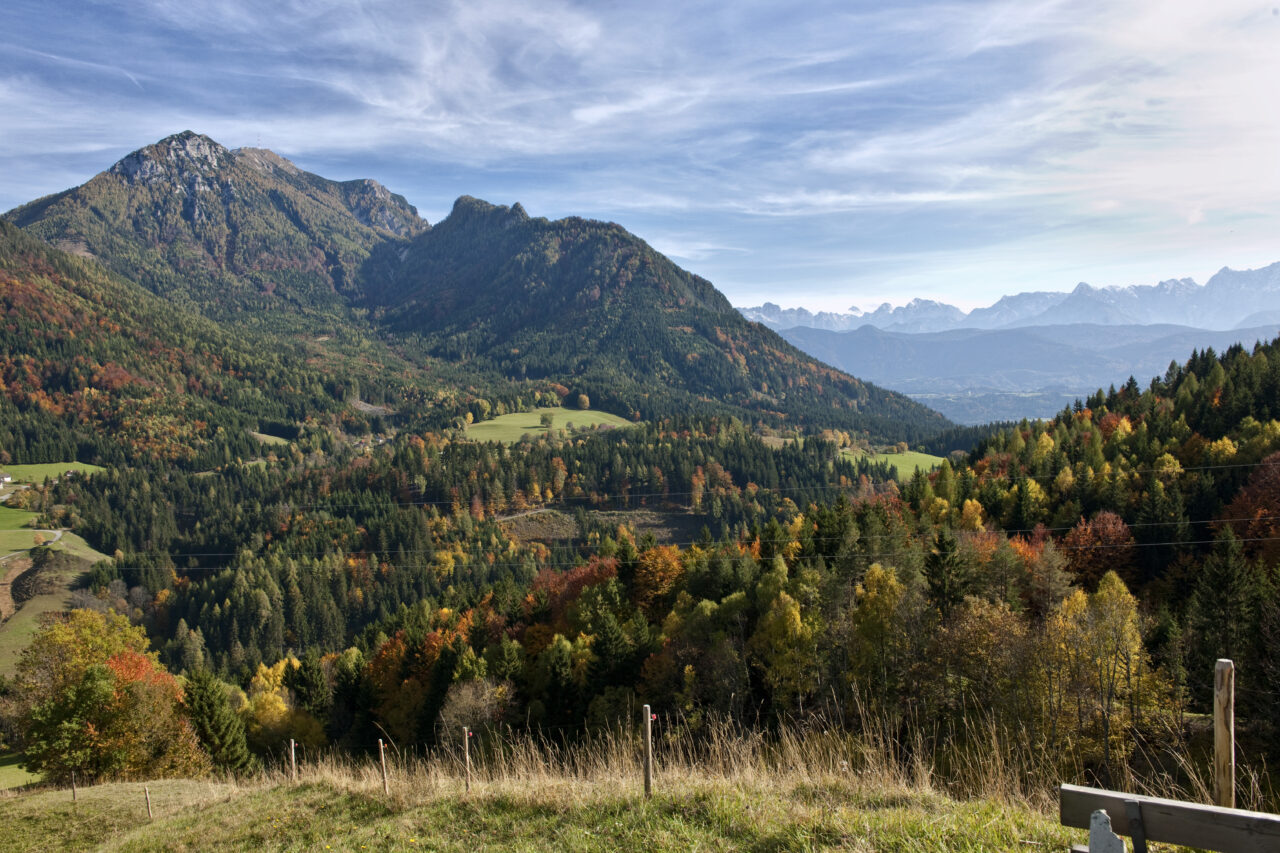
x,y
1224,734
1175,822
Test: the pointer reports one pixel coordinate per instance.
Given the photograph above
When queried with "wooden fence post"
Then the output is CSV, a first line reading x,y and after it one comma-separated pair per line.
x,y
147,793
466,754
648,752
1224,734
73,786
382,758
293,759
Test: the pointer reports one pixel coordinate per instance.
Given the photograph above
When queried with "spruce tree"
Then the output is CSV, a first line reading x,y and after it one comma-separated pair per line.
x,y
220,730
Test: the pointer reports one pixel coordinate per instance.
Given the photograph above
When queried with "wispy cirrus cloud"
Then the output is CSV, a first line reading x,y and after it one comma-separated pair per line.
x,y
848,149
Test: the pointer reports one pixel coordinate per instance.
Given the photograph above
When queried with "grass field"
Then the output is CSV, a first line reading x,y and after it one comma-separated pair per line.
x,y
17,540
273,440
77,547
37,473
14,519
510,428
13,776
794,796
904,464
14,533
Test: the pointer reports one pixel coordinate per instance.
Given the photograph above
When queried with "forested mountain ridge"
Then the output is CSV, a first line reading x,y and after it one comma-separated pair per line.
x,y
492,308
236,234
589,304
94,367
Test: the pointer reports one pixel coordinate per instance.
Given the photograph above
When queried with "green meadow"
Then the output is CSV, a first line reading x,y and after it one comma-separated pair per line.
x,y
36,473
511,428
904,464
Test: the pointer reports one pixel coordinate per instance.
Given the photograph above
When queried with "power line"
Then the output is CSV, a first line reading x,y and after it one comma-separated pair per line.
x,y
860,556
603,498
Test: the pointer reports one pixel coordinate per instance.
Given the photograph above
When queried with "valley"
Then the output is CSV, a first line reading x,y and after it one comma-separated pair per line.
x,y
526,476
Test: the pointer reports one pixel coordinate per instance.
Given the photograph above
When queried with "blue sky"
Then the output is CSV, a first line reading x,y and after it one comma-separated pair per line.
x,y
818,154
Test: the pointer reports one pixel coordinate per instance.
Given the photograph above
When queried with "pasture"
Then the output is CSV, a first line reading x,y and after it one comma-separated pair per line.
x,y
511,428
903,464
37,472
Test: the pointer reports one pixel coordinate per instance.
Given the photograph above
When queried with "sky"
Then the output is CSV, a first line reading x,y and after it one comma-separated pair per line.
x,y
818,154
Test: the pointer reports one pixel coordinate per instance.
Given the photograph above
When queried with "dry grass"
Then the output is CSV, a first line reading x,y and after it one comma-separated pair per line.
x,y
723,789
718,788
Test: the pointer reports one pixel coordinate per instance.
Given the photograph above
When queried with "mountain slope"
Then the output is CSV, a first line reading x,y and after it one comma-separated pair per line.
x,y
489,304
240,234
94,367
590,305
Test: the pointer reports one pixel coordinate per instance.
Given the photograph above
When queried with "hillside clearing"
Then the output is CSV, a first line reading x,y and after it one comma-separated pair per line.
x,y
15,532
511,428
272,440
17,630
903,464
37,472
15,519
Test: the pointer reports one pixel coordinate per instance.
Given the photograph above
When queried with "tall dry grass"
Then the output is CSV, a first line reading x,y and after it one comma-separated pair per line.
x,y
981,760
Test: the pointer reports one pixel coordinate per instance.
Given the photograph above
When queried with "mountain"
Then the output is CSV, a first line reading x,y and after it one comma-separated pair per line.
x,y
490,309
588,304
1013,310
980,375
1230,299
237,234
919,315
777,317
94,367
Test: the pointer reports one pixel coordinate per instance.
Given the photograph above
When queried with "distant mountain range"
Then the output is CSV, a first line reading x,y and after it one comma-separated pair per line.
x,y
342,290
1032,353
1231,299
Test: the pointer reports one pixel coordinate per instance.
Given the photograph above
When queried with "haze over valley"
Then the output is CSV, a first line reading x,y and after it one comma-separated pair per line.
x,y
1067,344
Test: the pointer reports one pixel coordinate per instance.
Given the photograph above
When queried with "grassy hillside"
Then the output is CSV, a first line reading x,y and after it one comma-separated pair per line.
x,y
36,473
745,798
15,534
903,464
509,428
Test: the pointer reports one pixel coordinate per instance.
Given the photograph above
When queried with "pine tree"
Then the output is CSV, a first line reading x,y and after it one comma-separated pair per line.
x,y
310,687
220,731
946,574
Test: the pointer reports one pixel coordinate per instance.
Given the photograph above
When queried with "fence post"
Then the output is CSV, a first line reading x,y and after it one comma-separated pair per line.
x,y
293,759
73,786
648,752
382,758
466,754
1224,734
147,793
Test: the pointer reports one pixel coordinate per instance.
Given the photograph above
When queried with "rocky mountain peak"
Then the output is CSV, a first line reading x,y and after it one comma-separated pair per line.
x,y
377,207
174,156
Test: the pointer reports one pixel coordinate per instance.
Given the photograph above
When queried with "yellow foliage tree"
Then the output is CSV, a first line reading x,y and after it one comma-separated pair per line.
x,y
783,648
269,716
875,632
